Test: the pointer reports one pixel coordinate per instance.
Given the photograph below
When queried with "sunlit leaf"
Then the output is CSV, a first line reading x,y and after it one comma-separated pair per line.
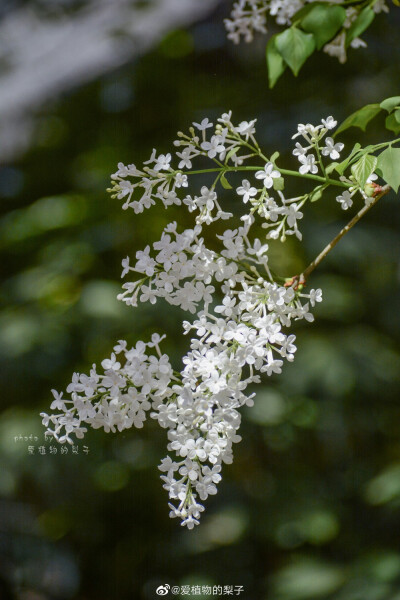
x,y
295,47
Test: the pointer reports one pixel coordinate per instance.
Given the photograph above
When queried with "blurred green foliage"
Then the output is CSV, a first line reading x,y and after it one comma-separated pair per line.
x,y
310,509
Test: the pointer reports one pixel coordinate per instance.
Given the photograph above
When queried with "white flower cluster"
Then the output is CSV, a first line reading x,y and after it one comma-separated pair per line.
x,y
115,399
345,199
226,355
250,16
312,161
141,188
243,314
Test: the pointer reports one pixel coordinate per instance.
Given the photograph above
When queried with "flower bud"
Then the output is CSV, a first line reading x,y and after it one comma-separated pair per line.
x,y
369,189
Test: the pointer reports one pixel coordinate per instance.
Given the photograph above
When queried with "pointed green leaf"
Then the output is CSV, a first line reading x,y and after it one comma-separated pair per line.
x,y
295,47
392,123
361,23
363,168
225,183
389,165
274,157
331,167
390,103
324,21
275,63
279,184
341,167
231,153
317,193
360,118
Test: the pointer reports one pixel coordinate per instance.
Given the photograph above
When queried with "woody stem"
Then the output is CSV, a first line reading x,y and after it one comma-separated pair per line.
x,y
382,192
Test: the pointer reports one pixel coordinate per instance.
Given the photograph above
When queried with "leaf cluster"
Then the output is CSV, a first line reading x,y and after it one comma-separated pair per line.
x,y
387,163
315,25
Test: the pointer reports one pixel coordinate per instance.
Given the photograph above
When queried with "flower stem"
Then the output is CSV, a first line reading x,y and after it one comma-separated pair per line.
x,y
227,169
382,192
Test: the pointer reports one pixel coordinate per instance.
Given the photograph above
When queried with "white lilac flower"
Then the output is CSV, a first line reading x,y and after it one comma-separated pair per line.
x,y
299,150
246,190
331,149
329,122
125,266
162,162
337,47
345,200
268,174
308,131
308,164
181,180
214,146
205,124
186,157
246,128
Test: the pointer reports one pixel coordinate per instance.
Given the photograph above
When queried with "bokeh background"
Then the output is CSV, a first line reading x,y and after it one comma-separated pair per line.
x,y
310,509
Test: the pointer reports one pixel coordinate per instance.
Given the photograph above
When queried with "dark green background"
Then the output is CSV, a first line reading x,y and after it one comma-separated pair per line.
x,y
311,506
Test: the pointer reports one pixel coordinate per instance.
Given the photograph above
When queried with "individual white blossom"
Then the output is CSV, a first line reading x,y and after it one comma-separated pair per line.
x,y
308,164
268,174
331,149
345,200
329,122
246,190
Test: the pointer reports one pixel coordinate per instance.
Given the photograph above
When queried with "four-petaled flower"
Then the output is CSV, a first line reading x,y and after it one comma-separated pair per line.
x,y
268,175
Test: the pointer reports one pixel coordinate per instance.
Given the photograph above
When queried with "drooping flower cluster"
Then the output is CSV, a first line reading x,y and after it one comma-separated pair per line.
x,y
115,399
243,313
250,16
226,355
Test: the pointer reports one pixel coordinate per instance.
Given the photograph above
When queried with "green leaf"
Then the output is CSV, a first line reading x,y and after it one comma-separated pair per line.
x,y
392,123
324,21
275,63
274,157
231,153
300,14
360,118
295,47
278,183
316,194
331,167
341,167
389,165
397,115
390,103
363,168
363,21
225,183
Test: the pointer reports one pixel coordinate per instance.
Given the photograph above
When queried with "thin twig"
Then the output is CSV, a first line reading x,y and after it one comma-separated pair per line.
x,y
380,191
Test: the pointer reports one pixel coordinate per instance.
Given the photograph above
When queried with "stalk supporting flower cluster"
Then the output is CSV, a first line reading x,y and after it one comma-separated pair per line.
x,y
244,313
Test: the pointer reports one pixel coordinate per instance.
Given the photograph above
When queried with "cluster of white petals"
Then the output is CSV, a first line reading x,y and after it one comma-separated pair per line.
x,y
250,16
115,399
244,315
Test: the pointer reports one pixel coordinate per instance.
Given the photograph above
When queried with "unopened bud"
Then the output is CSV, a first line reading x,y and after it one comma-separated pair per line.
x,y
369,189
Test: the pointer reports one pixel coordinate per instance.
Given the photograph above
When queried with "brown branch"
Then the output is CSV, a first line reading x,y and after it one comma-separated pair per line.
x,y
379,192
